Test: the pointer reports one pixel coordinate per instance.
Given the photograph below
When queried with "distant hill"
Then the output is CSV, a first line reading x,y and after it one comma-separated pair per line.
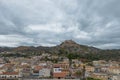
x,y
67,47
73,47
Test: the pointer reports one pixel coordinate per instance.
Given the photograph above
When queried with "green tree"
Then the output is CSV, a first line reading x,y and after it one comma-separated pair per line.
x,y
78,74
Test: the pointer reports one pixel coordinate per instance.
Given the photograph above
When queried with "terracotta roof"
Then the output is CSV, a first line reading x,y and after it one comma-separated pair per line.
x,y
57,65
114,67
38,67
8,65
61,74
10,73
60,65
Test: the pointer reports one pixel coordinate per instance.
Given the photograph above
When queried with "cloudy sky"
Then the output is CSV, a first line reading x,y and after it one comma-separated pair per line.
x,y
49,22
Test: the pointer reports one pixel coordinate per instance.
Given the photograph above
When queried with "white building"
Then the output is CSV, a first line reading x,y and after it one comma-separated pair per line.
x,y
57,69
10,75
45,72
114,70
116,77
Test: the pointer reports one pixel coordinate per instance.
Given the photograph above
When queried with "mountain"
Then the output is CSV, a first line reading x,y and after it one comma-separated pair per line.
x,y
66,47
74,47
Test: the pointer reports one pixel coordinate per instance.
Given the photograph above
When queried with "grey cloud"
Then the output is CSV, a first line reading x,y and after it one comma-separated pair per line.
x,y
90,22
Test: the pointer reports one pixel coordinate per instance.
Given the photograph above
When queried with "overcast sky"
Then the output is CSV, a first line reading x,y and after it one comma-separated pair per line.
x,y
49,22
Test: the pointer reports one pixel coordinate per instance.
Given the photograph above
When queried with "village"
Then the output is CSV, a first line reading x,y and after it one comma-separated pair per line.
x,y
38,67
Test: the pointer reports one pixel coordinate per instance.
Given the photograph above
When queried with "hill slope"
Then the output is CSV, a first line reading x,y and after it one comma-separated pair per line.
x,y
67,47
